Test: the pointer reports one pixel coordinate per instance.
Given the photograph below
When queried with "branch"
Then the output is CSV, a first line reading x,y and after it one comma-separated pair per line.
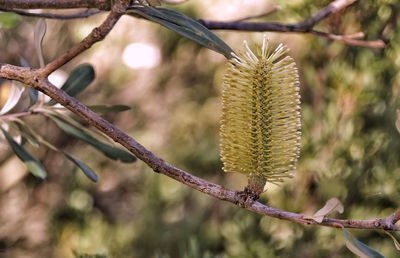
x,y
84,14
256,16
34,78
351,39
13,116
307,26
332,8
55,4
97,34
37,79
304,26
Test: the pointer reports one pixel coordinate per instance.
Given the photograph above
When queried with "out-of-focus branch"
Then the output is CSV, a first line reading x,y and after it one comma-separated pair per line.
x,y
84,14
256,16
55,4
307,26
36,80
97,34
13,116
332,8
350,39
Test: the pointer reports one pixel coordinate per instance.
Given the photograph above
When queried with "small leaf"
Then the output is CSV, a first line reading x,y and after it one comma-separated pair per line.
x,y
78,80
33,96
185,26
33,165
25,129
26,135
13,97
40,31
331,205
367,250
396,243
85,169
105,108
109,151
359,248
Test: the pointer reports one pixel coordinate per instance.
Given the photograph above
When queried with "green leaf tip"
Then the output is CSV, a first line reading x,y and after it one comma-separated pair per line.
x,y
79,79
32,164
183,25
261,124
83,167
359,248
108,150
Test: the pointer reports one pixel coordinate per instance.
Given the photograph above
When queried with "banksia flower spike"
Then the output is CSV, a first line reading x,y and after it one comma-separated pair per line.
x,y
260,126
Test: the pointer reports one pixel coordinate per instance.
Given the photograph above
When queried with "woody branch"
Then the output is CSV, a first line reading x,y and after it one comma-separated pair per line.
x,y
306,26
37,79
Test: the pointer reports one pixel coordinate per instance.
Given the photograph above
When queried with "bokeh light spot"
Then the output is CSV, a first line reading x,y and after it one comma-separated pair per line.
x,y
140,55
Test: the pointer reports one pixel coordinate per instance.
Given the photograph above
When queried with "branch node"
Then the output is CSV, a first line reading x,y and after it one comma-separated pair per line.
x,y
246,198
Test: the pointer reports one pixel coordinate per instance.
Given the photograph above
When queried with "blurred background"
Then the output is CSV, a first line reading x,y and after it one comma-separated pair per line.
x,y
350,145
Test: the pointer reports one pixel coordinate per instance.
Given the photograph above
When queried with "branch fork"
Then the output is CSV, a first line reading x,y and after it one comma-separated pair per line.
x,y
247,199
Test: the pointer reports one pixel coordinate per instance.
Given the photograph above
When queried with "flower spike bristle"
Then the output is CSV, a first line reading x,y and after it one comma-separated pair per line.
x,y
260,126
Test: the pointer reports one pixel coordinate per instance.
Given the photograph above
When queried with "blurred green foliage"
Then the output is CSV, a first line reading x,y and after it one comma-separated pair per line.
x,y
350,145
9,20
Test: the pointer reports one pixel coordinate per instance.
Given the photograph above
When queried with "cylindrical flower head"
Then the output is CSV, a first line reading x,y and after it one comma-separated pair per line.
x,y
260,127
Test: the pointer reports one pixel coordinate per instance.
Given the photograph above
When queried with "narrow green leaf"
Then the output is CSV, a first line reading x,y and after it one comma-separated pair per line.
x,y
367,250
105,108
40,31
395,242
359,248
26,135
184,26
26,131
33,165
78,80
82,166
107,150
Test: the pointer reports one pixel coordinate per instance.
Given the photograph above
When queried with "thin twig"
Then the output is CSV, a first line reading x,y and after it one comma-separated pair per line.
x,y
55,4
303,27
332,8
307,26
38,80
262,15
97,34
174,1
352,39
13,116
84,14
35,79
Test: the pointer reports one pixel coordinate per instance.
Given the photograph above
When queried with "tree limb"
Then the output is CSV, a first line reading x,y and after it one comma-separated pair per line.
x,y
36,80
307,26
55,4
85,14
97,34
